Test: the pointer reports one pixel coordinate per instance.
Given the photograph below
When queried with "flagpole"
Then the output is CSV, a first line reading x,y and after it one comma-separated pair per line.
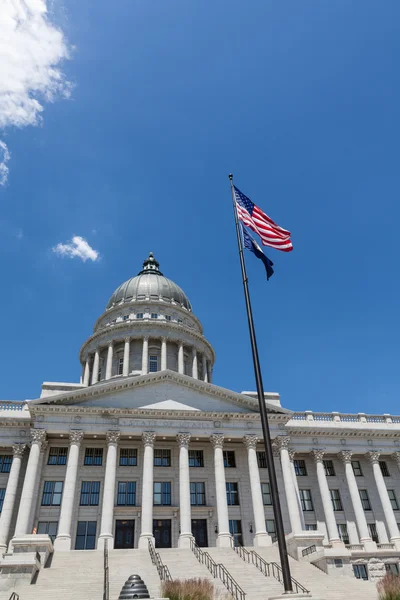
x,y
287,580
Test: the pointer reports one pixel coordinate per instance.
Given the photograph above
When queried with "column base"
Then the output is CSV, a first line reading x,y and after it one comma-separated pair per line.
x,y
101,539
261,540
396,542
224,540
369,545
144,541
62,543
337,544
184,540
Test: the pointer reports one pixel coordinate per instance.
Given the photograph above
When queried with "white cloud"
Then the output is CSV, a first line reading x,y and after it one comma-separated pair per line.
x,y
4,158
31,50
78,247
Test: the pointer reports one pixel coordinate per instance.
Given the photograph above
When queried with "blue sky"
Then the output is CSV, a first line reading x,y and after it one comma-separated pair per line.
x,y
300,100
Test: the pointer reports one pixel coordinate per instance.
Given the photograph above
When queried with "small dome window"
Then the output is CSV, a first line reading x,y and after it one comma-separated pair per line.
x,y
154,315
139,315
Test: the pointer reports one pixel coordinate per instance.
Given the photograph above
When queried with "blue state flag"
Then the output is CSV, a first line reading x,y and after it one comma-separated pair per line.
x,y
250,243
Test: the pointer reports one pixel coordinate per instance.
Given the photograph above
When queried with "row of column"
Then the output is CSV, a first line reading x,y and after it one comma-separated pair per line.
x,y
145,361
293,497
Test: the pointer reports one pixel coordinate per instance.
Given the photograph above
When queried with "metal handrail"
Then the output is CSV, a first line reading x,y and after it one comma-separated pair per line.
x,y
106,582
163,571
14,596
309,550
243,553
278,574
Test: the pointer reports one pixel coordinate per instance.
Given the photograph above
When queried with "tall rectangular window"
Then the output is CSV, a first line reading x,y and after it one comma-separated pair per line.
x,y
306,500
365,500
196,458
128,457
90,492
57,456
384,469
356,468
271,528
300,467
52,492
153,363
360,571
120,366
336,501
393,499
162,493
232,493
154,315
329,468
2,494
162,458
197,493
343,533
5,463
261,460
48,527
139,315
126,493
373,532
93,457
266,494
235,529
86,535
311,527
392,568
229,459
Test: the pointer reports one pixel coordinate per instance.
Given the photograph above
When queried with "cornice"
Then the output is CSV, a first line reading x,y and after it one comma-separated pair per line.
x,y
344,433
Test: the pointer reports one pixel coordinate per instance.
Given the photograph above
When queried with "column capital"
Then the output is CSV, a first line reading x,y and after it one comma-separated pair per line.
x,y
317,455
127,338
291,454
282,442
112,436
396,456
250,441
38,436
146,338
373,456
18,449
275,449
44,447
110,343
217,440
183,439
97,348
194,351
345,456
76,436
163,338
148,438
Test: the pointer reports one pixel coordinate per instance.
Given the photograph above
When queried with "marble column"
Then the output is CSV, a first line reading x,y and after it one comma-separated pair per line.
x,y
204,367
181,365
195,371
261,537
107,511
224,538
86,375
146,534
185,510
163,354
31,476
109,360
145,355
10,496
282,442
63,539
127,348
95,371
363,531
329,513
396,458
391,522
296,489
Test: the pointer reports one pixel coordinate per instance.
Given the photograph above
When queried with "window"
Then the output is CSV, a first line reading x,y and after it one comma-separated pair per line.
x,y
162,493
57,456
343,533
262,460
271,529
126,493
393,499
360,571
120,366
232,493
93,457
2,494
235,529
168,317
300,467
311,527
392,568
5,463
197,493
86,535
139,315
306,500
154,315
329,468
125,317
128,457
384,469
365,500
196,458
48,527
356,468
99,373
52,492
229,459
90,492
336,501
162,458
373,532
153,363
266,494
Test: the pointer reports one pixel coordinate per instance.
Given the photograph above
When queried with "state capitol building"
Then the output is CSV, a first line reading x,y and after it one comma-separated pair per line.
x,y
146,447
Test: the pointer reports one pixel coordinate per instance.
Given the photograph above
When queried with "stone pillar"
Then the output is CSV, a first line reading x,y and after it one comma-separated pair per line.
x,y
282,443
10,495
63,539
127,347
296,489
391,522
261,537
184,491
396,458
145,355
109,360
86,375
163,354
31,476
224,537
148,438
329,513
195,371
361,521
181,365
95,371
107,511
204,365
209,372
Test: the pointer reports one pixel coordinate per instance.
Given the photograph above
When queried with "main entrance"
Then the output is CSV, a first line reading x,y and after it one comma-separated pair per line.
x,y
199,531
124,534
162,533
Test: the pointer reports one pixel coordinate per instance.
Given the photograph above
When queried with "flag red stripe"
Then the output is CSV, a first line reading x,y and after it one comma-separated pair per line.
x,y
271,234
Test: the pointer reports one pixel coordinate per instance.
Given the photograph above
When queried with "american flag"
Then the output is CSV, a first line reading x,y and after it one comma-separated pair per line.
x,y
252,216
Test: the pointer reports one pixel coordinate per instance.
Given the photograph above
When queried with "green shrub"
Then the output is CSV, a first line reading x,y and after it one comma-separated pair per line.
x,y
389,587
188,589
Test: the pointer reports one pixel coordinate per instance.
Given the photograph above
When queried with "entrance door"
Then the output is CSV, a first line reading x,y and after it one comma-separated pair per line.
x,y
199,531
124,534
162,533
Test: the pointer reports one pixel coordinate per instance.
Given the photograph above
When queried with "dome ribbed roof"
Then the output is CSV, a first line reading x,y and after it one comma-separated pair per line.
x,y
149,284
